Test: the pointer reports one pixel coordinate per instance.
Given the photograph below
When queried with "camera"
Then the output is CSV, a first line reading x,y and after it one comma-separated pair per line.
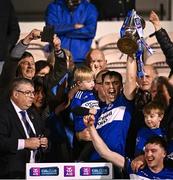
x,y
47,34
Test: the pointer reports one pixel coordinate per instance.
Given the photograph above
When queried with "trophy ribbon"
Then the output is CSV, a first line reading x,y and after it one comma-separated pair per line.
x,y
139,29
126,22
139,61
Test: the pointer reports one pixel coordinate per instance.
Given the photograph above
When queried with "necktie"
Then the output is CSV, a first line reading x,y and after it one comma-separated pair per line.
x,y
26,123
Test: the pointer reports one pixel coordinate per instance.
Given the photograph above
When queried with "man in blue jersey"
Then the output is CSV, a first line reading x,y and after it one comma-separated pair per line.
x,y
115,115
154,154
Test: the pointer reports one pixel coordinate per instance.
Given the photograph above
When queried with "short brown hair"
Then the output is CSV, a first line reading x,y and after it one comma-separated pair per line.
x,y
83,73
154,105
17,82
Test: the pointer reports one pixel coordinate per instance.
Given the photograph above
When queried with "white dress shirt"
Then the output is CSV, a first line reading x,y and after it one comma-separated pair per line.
x,y
21,142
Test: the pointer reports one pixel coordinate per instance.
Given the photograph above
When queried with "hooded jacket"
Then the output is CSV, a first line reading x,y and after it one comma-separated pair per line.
x,y
78,41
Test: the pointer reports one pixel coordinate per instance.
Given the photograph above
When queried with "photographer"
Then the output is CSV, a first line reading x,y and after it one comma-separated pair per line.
x,y
22,64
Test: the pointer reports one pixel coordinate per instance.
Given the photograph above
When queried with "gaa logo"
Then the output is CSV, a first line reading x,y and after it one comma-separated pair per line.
x,y
35,171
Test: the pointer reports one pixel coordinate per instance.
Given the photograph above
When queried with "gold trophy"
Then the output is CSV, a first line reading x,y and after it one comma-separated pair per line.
x,y
127,44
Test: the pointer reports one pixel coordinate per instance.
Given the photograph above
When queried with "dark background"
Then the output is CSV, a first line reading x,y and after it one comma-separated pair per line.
x,y
33,10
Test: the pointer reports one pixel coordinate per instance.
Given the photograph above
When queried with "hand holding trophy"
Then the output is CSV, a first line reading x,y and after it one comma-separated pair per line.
x,y
132,41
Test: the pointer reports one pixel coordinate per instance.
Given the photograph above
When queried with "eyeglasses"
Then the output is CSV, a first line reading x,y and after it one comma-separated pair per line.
x,y
28,63
27,93
100,83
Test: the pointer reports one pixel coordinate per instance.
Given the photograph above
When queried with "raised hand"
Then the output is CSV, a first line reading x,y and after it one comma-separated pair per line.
x,y
56,43
138,163
154,19
89,120
33,35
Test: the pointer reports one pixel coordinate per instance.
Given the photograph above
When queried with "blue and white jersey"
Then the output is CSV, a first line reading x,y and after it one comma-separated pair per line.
x,y
146,173
86,99
143,135
113,124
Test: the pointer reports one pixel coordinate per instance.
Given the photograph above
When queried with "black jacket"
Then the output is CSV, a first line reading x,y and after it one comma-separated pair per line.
x,y
13,161
9,28
166,45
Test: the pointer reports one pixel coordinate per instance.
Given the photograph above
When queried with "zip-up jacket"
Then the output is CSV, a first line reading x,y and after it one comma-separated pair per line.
x,y
78,41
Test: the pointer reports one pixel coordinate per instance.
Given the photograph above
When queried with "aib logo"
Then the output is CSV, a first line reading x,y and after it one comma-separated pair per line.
x,y
69,171
35,171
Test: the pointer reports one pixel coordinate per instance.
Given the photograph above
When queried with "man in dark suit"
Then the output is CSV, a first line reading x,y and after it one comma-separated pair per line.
x,y
20,139
110,9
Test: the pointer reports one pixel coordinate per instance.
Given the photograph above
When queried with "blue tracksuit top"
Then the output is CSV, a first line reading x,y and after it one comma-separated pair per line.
x,y
78,41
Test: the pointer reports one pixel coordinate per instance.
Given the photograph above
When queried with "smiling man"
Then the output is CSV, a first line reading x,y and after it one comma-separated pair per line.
x,y
154,154
26,66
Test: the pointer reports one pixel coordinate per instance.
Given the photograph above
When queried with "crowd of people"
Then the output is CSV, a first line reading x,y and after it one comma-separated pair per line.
x,y
71,108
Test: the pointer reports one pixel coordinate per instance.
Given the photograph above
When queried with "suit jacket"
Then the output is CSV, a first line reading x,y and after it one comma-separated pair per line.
x,y
13,161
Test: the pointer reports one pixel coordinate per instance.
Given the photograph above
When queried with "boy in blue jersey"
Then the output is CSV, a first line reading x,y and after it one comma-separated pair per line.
x,y
154,154
83,102
153,114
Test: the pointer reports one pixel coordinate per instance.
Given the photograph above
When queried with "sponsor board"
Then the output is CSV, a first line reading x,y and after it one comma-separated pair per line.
x,y
69,171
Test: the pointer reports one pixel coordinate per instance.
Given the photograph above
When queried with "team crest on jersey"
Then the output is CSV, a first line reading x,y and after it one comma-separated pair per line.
x,y
115,114
91,104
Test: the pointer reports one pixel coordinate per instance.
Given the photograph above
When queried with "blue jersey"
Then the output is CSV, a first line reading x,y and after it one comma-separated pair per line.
x,y
146,173
86,99
143,135
113,124
170,148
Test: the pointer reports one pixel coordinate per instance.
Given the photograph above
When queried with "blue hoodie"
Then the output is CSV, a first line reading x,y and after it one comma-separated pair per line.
x,y
78,41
